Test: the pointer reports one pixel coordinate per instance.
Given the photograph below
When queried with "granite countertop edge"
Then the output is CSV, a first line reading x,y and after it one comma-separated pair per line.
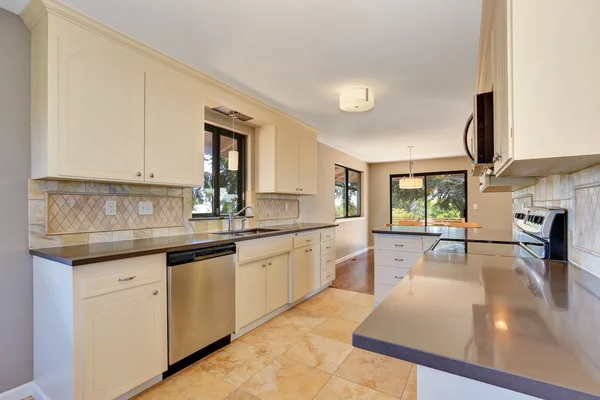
x,y
499,378
52,253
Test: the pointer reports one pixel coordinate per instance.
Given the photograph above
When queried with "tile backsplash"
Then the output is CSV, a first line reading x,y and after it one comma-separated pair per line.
x,y
65,213
579,193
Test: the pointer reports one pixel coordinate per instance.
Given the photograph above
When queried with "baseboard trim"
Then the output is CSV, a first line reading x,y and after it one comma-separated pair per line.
x,y
24,391
349,256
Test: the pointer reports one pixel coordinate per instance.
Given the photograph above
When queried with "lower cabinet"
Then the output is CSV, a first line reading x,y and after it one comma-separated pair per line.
x,y
263,286
307,270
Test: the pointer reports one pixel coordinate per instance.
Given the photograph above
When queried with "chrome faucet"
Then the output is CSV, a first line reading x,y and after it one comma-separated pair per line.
x,y
230,215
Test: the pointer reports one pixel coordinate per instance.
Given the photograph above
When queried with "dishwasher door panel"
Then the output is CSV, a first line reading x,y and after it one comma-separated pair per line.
x,y
201,305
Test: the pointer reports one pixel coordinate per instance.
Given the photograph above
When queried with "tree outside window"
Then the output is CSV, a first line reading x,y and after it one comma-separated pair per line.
x,y
347,192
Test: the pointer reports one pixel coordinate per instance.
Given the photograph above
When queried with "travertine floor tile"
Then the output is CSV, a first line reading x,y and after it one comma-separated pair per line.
x,y
273,338
321,305
241,395
341,389
337,329
236,363
410,390
319,352
300,320
367,300
190,384
337,294
286,379
385,374
354,312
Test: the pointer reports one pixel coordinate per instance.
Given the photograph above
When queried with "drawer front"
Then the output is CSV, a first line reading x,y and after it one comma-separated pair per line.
x,y
381,291
327,247
396,258
327,235
398,243
261,248
327,261
306,240
327,276
111,276
389,275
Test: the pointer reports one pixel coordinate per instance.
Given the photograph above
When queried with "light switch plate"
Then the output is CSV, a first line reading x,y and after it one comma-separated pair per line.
x,y
110,207
145,208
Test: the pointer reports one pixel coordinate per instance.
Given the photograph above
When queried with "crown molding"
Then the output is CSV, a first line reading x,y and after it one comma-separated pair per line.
x,y
36,9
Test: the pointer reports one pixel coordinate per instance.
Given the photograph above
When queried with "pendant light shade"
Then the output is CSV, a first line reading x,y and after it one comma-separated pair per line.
x,y
232,161
410,181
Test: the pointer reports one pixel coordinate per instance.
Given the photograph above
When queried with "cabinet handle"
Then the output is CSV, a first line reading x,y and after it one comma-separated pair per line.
x,y
328,247
309,249
155,292
151,175
270,263
397,277
129,278
307,240
301,189
399,259
306,251
139,174
399,245
264,265
329,276
328,261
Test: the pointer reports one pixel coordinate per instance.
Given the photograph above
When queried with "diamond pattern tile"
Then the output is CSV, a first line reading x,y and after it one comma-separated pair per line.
x,y
269,209
81,213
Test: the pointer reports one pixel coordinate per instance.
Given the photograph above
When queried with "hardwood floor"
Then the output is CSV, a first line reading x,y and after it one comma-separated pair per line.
x,y
356,274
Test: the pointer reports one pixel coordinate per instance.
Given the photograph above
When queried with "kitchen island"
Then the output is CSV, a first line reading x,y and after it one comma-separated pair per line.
x,y
488,327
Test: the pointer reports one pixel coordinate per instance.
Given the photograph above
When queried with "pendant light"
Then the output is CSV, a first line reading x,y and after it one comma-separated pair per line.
x,y
233,156
411,182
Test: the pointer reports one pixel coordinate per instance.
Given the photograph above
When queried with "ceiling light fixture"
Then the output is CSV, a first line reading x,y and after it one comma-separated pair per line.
x,y
410,182
233,156
357,100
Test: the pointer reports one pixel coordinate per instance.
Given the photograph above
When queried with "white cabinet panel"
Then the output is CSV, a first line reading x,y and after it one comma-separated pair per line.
x,y
174,141
327,276
314,267
301,265
277,282
124,340
286,153
251,296
100,110
307,163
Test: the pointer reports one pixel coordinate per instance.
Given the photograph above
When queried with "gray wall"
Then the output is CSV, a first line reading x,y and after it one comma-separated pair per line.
x,y
16,287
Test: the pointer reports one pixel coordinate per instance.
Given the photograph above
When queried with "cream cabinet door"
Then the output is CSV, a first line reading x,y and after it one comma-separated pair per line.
x,y
100,110
314,267
286,151
307,163
251,295
174,141
278,292
301,260
124,340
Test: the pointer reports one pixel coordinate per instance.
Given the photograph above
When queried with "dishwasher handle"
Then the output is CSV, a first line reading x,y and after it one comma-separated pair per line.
x,y
202,254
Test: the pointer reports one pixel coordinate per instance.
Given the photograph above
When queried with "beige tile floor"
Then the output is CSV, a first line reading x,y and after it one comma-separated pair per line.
x,y
304,353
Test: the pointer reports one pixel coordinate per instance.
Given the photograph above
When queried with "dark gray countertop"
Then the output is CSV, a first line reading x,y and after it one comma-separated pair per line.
x,y
527,325
449,233
99,252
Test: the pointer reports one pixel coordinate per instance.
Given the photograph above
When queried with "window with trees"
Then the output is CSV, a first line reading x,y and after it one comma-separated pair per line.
x,y
223,189
443,197
347,193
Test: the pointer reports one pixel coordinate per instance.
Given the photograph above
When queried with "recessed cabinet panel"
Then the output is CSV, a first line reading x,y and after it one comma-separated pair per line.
x,y
301,266
100,106
277,282
287,162
307,163
251,292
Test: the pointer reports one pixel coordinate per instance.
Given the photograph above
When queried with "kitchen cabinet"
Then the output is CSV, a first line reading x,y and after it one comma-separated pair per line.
x,y
301,271
541,69
102,111
277,282
286,160
101,329
251,292
307,264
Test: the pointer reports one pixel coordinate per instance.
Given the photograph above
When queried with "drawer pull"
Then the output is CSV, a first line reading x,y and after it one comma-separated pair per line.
x,y
399,245
397,277
129,278
329,276
155,292
399,259
328,261
307,240
328,247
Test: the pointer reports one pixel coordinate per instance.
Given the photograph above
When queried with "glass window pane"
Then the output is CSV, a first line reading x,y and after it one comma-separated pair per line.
x,y
445,197
202,197
340,192
353,193
407,204
228,180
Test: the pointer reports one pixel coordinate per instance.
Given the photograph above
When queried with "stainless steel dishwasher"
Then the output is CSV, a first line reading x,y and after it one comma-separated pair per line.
x,y
201,298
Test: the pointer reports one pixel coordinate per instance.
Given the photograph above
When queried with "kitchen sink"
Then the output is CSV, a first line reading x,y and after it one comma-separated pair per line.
x,y
245,232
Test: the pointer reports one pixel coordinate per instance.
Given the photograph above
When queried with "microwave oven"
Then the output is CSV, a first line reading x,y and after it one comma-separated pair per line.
x,y
479,142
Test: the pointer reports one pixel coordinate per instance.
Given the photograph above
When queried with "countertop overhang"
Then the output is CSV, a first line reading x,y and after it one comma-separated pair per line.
x,y
452,233
526,325
101,252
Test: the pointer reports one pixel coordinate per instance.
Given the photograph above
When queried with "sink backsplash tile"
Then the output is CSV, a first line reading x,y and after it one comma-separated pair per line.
x,y
578,193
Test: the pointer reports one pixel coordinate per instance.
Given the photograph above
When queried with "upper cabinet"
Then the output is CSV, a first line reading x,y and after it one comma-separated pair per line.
x,y
101,111
540,58
286,160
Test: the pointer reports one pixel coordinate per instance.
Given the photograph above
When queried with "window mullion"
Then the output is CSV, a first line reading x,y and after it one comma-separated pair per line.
x,y
216,173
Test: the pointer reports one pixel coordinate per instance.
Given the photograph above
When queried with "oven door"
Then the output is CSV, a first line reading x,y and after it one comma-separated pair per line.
x,y
535,245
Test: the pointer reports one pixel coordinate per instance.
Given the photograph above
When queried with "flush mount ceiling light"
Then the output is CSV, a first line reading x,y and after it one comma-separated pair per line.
x,y
410,182
357,100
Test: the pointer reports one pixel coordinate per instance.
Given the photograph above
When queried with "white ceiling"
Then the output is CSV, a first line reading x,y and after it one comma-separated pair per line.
x,y
419,56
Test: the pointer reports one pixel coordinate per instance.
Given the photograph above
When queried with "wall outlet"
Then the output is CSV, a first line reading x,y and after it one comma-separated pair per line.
x,y
475,206
145,208
110,207
287,206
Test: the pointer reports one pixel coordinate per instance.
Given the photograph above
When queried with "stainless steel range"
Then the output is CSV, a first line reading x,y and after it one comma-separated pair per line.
x,y
540,232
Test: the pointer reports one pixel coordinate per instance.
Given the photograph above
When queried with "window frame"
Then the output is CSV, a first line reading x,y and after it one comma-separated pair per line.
x,y
425,175
347,197
217,132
